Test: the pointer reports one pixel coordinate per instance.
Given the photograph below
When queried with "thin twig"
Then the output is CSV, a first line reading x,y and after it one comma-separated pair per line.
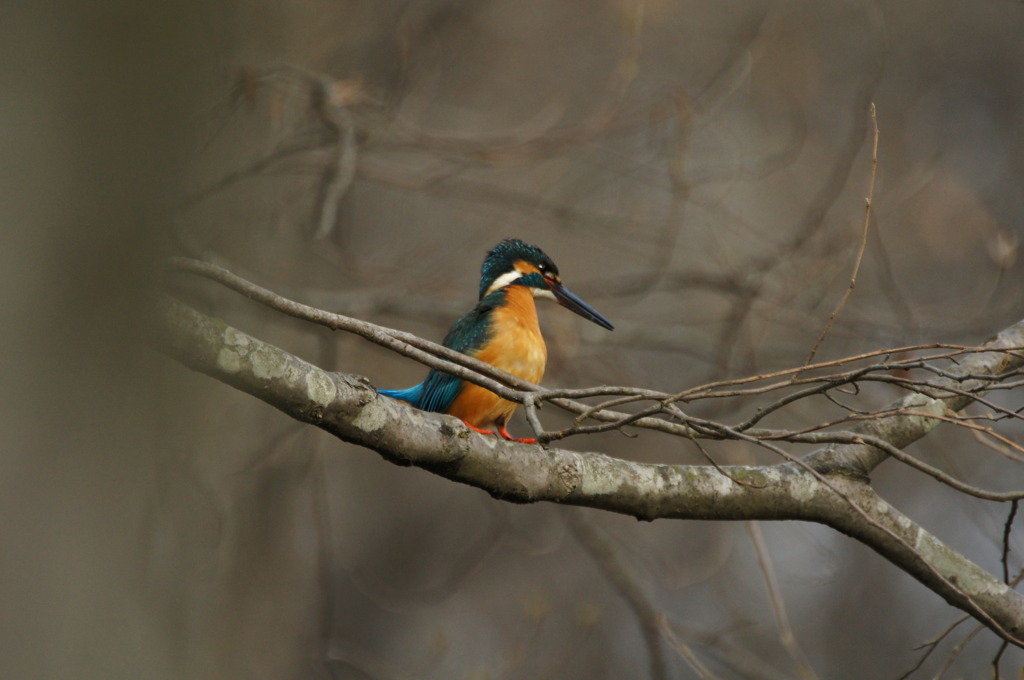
x,y
931,646
996,659
863,241
530,406
898,454
954,653
714,463
1007,527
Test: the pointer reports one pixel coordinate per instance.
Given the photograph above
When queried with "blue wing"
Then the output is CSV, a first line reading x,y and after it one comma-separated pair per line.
x,y
439,391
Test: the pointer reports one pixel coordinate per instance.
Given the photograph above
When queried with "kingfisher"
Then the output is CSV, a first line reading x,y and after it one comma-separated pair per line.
x,y
503,331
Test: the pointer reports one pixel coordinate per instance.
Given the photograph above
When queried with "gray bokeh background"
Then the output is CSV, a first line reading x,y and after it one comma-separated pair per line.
x,y
697,170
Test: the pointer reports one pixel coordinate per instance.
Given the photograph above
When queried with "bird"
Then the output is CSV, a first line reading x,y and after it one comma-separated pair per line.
x,y
501,330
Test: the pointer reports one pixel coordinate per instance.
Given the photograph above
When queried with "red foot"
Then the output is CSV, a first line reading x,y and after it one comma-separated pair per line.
x,y
477,429
504,433
501,431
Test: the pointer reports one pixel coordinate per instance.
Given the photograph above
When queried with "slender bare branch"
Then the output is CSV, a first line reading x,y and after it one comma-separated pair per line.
x,y
863,241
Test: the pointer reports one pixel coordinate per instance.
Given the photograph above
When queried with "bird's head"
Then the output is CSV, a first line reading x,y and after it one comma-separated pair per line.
x,y
513,262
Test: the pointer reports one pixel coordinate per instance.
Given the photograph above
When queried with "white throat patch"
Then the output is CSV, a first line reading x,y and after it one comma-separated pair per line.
x,y
503,280
544,293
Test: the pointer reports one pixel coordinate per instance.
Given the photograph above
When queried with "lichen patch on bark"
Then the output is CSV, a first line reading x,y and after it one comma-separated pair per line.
x,y
320,388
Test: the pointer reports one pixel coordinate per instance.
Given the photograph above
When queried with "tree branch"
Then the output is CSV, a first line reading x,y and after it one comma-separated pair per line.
x,y
818,488
946,394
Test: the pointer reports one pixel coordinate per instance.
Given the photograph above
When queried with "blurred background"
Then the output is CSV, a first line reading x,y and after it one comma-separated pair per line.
x,y
699,173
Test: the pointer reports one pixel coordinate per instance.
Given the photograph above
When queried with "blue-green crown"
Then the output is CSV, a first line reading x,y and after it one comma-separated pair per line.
x,y
502,258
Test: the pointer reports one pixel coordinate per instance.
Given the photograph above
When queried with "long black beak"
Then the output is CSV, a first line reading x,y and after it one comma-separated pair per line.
x,y
573,303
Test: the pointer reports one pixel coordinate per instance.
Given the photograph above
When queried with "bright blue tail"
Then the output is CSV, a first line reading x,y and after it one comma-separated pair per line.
x,y
413,395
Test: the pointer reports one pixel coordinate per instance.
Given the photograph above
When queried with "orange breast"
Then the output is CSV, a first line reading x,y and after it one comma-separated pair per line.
x,y
516,347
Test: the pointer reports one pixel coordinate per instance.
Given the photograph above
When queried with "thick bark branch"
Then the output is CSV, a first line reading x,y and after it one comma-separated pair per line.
x,y
819,490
